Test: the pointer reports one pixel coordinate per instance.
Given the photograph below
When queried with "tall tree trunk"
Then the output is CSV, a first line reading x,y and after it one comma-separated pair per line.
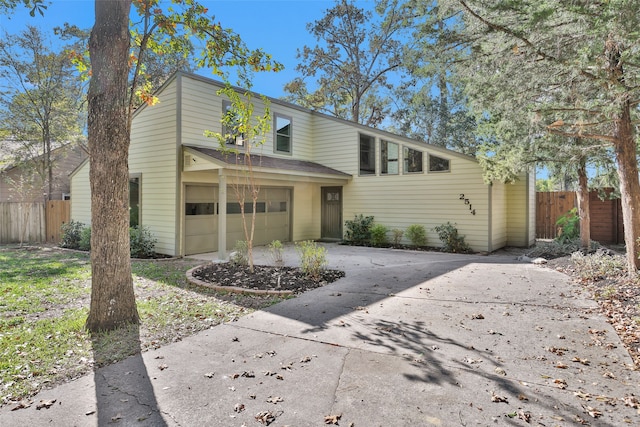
x,y
583,206
625,149
112,299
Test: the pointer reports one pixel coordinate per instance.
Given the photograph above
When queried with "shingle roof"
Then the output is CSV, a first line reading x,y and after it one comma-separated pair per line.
x,y
268,162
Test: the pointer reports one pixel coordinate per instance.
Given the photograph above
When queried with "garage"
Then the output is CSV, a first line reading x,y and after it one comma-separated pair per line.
x,y
202,208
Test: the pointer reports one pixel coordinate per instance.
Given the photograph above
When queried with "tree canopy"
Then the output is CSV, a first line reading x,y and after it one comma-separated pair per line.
x,y
567,69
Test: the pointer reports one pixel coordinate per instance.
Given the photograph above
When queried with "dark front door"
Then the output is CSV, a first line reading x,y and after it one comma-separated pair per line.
x,y
332,213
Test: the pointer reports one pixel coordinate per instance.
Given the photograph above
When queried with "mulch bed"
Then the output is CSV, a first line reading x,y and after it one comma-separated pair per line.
x,y
264,278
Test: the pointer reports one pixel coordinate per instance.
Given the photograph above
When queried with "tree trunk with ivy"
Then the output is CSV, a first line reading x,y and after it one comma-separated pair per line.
x,y
112,298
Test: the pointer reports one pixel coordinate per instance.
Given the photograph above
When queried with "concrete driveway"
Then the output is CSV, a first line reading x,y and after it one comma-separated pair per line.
x,y
405,339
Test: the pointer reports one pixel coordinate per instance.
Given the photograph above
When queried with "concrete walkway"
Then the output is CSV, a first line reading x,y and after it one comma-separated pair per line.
x,y
405,339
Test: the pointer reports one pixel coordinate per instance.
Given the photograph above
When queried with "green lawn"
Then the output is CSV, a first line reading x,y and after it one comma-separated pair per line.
x,y
44,302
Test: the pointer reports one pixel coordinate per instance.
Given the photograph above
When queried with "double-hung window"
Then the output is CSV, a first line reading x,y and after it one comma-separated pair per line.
x,y
282,137
389,152
230,126
367,155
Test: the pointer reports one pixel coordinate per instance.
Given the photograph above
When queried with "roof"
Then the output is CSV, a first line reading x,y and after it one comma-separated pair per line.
x,y
268,162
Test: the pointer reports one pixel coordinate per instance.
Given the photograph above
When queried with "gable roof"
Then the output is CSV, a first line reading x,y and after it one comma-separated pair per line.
x,y
267,162
435,148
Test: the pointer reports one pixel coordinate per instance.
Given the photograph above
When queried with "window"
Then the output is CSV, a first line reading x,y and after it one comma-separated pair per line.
x,y
234,208
230,125
134,201
199,208
388,158
283,134
412,160
367,155
438,164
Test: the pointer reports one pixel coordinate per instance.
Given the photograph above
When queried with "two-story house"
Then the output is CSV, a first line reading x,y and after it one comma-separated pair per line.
x,y
314,171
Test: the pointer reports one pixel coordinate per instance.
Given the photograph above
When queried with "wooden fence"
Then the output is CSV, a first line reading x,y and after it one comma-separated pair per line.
x,y
35,222
606,215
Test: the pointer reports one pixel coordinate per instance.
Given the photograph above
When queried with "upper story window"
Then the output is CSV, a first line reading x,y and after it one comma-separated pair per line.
x,y
282,136
230,126
367,155
412,160
389,152
438,164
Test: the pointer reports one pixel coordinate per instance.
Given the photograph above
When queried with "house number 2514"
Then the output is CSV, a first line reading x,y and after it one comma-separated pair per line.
x,y
468,203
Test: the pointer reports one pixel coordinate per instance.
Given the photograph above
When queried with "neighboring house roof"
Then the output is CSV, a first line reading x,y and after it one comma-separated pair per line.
x,y
7,161
267,162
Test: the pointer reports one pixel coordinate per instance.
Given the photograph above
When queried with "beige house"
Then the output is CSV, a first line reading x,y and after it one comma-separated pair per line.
x,y
314,171
20,182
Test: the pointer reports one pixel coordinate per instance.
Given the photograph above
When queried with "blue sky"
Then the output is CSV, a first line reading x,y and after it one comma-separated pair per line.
x,y
276,26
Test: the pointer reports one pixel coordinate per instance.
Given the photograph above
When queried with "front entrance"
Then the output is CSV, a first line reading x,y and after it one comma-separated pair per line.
x,y
331,217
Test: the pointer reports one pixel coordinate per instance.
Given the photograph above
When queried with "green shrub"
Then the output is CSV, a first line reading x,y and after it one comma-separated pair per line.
x,y
397,234
453,242
379,235
359,229
240,254
142,242
313,259
85,239
417,235
569,224
276,250
71,233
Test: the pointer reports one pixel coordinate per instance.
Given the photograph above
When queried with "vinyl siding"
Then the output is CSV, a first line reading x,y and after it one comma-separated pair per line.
x,y
521,221
202,110
153,155
498,216
81,195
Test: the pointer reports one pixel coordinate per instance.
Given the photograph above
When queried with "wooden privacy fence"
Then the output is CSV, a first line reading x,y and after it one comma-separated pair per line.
x,y
35,222
606,215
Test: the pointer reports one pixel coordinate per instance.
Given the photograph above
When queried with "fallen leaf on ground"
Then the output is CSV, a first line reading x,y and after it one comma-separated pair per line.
x,y
560,383
583,361
265,417
163,367
592,411
239,407
524,416
248,374
274,399
45,404
561,365
209,374
22,405
477,316
500,371
632,401
116,418
498,399
332,419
